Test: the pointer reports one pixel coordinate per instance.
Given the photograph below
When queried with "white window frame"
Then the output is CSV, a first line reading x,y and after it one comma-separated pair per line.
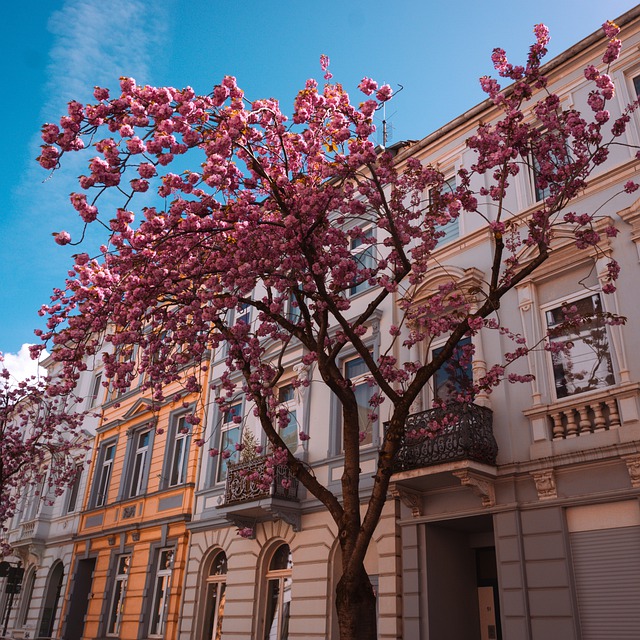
x,y
282,582
161,592
104,471
97,391
214,601
287,400
178,461
139,462
567,301
371,428
73,492
452,228
122,569
363,253
226,426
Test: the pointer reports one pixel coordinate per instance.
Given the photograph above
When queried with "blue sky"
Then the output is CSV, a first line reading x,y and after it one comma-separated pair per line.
x,y
57,50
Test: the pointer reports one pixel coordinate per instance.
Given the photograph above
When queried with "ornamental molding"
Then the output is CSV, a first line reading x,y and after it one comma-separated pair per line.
x,y
481,485
633,468
409,497
545,482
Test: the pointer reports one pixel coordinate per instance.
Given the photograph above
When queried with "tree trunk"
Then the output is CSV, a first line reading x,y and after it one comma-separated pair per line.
x,y
356,606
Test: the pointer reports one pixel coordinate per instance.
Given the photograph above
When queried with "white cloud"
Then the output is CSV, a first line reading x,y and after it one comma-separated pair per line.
x,y
94,44
21,366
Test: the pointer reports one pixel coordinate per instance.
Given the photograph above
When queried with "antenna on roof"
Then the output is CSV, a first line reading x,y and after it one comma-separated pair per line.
x,y
387,127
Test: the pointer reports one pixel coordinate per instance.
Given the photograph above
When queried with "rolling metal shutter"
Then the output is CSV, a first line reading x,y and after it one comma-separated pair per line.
x,y
606,566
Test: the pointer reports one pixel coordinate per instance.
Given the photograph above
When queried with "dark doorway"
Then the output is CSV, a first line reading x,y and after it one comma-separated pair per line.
x,y
79,602
51,601
462,585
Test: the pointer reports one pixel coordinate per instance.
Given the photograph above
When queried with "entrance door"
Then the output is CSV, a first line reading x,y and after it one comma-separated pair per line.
x,y
80,593
51,600
462,587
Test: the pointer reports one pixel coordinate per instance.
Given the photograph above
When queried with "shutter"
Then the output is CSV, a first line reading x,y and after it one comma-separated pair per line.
x,y
606,567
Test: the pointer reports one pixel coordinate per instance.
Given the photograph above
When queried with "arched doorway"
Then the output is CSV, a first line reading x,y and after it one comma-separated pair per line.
x,y
51,600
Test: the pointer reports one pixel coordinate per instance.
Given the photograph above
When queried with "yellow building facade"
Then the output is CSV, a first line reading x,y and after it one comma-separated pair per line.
x,y
128,563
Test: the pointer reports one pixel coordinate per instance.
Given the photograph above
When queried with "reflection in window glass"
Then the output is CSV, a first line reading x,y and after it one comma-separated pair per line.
x,y
356,371
364,255
117,601
229,438
279,594
160,601
286,397
215,598
586,363
104,474
180,454
455,376
140,463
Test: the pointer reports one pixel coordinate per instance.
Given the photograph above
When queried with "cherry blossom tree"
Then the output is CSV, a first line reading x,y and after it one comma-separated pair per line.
x,y
267,217
41,444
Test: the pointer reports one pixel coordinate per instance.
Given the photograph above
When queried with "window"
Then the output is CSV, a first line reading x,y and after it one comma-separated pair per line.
x,y
456,375
230,434
72,500
287,400
31,500
139,463
364,255
243,313
160,602
179,452
545,176
585,362
27,597
293,313
357,371
452,228
106,455
123,565
636,85
278,603
216,583
96,391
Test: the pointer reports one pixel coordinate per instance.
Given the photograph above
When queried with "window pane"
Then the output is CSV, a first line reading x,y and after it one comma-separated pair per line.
x,y
117,601
281,559
105,475
453,377
452,228
219,565
161,593
95,391
229,439
178,466
273,601
586,364
75,487
214,611
290,433
286,393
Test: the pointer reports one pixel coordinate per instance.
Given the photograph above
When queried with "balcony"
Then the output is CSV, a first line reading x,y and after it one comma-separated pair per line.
x,y
596,419
248,500
467,435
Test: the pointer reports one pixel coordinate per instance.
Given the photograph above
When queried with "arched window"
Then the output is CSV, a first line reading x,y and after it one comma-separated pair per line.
x,y
278,603
27,596
216,584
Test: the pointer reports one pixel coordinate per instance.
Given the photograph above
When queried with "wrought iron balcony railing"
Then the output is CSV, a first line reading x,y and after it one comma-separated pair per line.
x,y
248,481
462,431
